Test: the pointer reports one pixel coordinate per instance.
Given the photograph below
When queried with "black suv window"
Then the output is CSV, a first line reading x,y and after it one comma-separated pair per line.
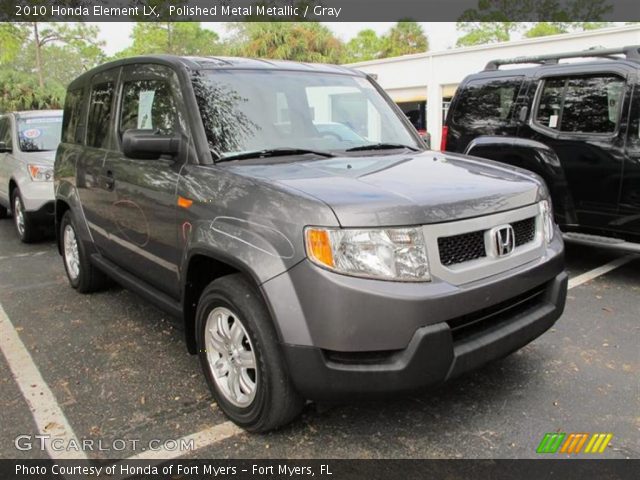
x,y
148,105
586,104
486,102
71,119
5,131
99,114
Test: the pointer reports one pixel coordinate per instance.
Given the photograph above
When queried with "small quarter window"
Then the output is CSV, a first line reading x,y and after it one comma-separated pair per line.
x,y
580,104
99,115
71,118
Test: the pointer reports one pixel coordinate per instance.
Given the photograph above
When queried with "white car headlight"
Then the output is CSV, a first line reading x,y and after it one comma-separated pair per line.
x,y
40,173
398,254
548,224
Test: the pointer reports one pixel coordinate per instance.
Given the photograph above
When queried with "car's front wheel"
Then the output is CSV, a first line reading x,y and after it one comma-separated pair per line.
x,y
241,358
82,274
26,228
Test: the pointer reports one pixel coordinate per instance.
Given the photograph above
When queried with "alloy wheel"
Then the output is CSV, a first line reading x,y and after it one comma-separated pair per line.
x,y
71,254
231,357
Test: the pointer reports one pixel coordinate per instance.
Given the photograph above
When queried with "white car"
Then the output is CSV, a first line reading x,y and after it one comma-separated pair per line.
x,y
28,143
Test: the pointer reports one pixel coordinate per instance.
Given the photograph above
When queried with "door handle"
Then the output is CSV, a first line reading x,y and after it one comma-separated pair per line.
x,y
109,181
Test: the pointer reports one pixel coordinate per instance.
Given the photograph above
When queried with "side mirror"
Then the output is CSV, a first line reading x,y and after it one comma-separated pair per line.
x,y
4,148
147,145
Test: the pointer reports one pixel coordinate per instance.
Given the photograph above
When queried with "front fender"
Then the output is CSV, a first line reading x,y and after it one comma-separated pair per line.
x,y
255,224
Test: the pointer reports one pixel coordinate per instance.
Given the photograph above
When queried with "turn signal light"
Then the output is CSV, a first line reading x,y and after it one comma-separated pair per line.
x,y
319,246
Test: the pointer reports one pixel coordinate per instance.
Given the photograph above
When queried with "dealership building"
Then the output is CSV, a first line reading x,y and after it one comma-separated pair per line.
x,y
424,83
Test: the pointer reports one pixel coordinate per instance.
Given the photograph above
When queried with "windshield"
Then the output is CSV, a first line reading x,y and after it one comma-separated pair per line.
x,y
253,110
38,134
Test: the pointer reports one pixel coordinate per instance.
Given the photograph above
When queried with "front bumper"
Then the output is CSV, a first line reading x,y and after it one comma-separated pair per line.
x,y
345,336
434,354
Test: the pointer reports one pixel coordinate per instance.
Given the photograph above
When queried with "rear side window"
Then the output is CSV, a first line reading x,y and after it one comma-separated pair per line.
x,y
586,104
71,118
486,103
99,114
148,105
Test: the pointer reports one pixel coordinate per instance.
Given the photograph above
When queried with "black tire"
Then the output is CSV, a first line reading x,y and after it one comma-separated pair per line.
x,y
276,401
89,278
28,231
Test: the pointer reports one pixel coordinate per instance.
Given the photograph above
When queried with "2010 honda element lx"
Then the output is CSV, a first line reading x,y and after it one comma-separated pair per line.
x,y
295,221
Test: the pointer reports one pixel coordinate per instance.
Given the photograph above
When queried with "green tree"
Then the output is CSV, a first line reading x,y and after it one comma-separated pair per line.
x,y
404,38
74,43
542,29
366,45
37,60
20,91
495,20
478,33
176,38
12,37
299,41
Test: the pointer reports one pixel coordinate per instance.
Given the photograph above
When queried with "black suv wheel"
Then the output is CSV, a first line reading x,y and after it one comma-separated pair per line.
x,y
241,358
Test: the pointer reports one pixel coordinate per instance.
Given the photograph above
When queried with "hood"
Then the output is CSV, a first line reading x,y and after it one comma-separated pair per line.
x,y
41,158
408,189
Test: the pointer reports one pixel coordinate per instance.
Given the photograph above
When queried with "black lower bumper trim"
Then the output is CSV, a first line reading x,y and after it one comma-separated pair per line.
x,y
431,357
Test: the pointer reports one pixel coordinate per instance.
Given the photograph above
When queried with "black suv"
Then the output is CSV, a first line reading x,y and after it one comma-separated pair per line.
x,y
574,124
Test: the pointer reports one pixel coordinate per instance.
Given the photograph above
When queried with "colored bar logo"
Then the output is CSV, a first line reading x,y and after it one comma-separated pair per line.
x,y
572,443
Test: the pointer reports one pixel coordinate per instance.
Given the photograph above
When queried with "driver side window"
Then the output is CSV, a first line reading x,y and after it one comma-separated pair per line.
x,y
148,105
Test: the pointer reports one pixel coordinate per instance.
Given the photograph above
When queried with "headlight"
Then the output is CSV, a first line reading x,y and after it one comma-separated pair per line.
x,y
548,225
387,253
40,173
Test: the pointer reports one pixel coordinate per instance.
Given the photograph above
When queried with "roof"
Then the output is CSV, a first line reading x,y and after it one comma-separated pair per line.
x,y
533,70
219,63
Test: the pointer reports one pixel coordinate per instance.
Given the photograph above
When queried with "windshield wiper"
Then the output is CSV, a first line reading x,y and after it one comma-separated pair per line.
x,y
274,152
380,146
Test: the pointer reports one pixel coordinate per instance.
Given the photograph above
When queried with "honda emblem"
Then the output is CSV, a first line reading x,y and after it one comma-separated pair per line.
x,y
505,240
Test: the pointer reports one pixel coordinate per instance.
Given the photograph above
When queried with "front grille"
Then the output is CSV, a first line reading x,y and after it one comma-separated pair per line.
x,y
481,321
524,230
461,248
470,246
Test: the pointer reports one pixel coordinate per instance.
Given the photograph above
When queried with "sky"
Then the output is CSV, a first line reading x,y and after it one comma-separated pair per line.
x,y
442,35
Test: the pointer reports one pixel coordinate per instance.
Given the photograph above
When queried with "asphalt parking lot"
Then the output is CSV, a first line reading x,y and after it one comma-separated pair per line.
x,y
109,366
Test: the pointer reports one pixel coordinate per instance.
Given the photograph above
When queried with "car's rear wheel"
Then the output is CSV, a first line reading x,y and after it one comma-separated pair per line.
x,y
241,358
82,274
26,228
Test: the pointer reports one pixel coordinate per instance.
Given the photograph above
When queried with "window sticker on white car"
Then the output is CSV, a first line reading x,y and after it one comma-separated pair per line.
x,y
553,121
32,133
145,104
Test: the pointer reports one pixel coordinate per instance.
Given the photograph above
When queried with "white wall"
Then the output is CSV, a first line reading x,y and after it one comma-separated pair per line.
x,y
424,75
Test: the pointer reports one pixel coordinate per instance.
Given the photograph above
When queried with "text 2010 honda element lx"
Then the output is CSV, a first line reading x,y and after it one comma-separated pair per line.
x,y
293,218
